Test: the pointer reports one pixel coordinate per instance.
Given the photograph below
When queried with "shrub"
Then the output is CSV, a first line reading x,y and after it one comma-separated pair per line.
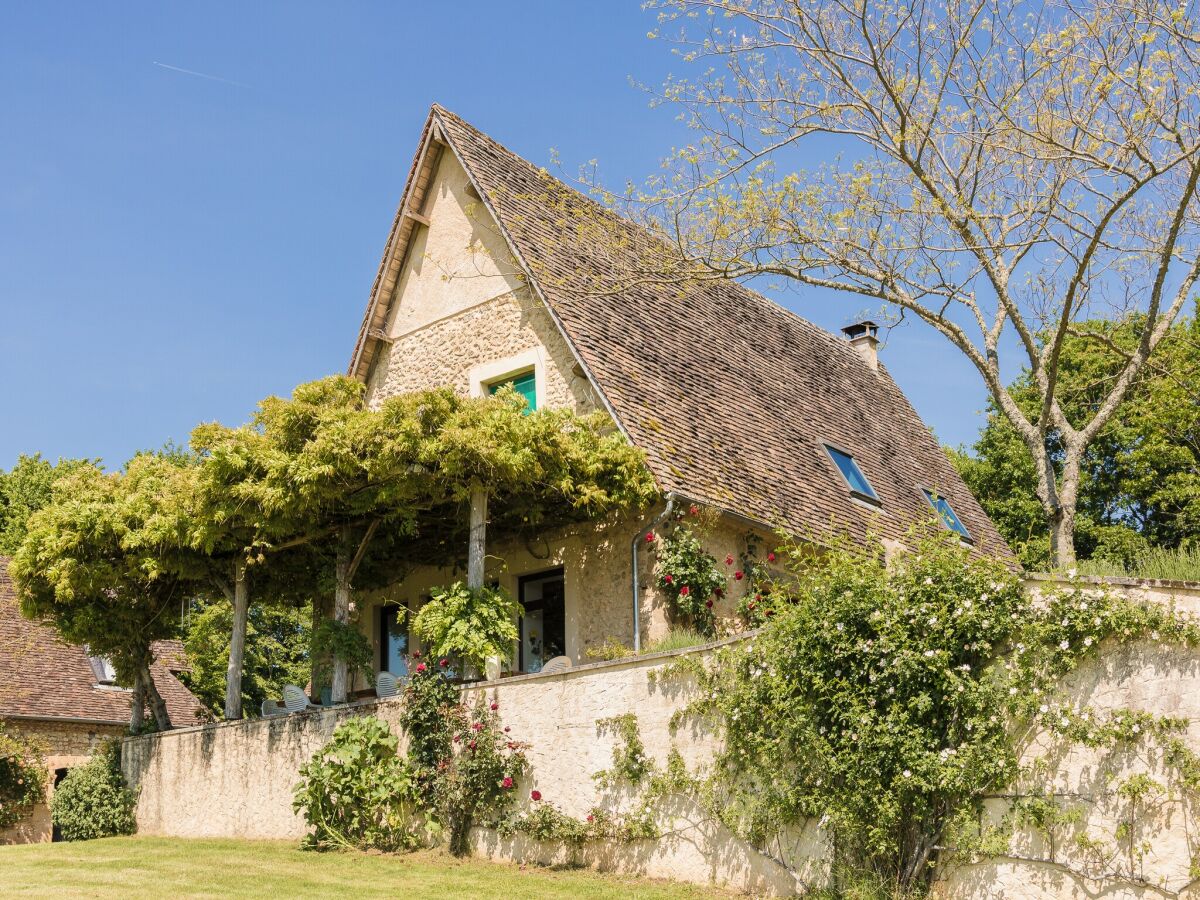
x,y
357,792
93,800
22,777
690,577
473,625
333,639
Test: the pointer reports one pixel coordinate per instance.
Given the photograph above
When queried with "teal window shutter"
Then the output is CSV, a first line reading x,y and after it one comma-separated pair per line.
x,y
524,384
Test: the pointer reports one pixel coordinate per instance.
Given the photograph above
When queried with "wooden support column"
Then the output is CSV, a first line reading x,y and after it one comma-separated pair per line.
x,y
237,642
477,544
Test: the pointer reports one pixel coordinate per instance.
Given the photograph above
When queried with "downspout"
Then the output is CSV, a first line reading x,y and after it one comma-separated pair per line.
x,y
637,539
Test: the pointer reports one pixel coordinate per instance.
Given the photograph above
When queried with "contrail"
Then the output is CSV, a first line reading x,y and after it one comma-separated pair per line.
x,y
198,74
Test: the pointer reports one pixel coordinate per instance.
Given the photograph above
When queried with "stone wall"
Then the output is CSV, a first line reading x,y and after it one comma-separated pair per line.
x,y
66,745
236,780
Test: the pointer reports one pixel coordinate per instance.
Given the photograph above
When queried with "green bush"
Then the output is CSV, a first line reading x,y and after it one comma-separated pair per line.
x,y
93,800
472,625
22,777
357,793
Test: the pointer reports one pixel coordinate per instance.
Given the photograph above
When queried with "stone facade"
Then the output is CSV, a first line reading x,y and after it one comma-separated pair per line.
x,y
462,318
66,745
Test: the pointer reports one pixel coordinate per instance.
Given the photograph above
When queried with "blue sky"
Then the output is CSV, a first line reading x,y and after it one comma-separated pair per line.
x,y
175,246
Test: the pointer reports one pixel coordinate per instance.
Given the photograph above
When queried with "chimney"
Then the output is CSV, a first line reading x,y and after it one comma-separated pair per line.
x,y
862,336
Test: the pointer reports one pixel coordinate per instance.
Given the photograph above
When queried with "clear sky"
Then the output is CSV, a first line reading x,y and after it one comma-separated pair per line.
x,y
194,197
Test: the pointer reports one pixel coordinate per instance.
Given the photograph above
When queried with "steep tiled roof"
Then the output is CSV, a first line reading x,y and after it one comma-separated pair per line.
x,y
45,678
729,394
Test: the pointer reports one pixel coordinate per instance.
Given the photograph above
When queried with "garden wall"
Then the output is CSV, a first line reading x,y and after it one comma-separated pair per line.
x,y
236,780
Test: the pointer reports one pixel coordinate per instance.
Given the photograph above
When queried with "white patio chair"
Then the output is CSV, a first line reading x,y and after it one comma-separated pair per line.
x,y
296,700
272,708
386,685
558,664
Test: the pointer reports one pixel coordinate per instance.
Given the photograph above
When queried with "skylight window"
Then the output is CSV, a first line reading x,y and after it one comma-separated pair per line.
x,y
946,512
855,479
102,669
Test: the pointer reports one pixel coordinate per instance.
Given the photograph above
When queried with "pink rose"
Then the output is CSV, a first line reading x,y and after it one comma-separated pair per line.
x,y
684,591
650,537
420,667
506,783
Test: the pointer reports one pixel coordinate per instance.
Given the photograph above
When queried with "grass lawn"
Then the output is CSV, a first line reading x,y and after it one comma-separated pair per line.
x,y
168,867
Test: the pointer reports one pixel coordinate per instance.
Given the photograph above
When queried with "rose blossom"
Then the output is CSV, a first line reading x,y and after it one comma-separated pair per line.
x,y
535,795
739,574
506,783
495,706
420,667
684,591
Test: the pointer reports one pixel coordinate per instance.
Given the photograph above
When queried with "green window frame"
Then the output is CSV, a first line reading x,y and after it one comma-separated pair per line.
x,y
524,384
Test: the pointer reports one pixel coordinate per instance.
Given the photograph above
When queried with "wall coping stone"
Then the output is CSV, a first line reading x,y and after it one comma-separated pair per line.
x,y
1116,580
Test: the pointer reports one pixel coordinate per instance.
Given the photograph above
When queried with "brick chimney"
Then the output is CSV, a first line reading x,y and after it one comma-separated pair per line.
x,y
862,336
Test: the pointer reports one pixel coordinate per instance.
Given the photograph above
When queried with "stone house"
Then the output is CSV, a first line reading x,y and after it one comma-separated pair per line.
x,y
740,406
58,694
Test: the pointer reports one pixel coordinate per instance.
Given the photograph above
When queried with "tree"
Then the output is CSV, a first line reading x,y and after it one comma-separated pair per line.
x,y
25,489
1010,172
1140,477
73,571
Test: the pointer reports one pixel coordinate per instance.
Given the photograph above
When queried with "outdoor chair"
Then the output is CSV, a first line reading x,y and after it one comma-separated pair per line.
x,y
272,708
296,700
558,664
386,685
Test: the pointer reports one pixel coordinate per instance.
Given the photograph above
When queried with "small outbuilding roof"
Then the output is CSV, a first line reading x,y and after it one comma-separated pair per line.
x,y
43,677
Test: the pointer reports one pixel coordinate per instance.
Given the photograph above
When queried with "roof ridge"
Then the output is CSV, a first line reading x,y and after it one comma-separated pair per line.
x,y
543,172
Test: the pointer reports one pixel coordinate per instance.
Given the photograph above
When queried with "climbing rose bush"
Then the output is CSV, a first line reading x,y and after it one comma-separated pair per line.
x,y
22,777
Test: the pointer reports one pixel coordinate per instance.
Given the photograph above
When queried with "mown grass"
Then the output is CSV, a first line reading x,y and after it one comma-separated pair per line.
x,y
1173,565
167,867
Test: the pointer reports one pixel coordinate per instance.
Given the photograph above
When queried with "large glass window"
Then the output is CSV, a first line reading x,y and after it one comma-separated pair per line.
x,y
544,625
393,640
945,512
524,384
855,479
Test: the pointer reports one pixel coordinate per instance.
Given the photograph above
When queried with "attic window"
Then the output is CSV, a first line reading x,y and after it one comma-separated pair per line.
x,y
102,669
946,513
860,488
524,384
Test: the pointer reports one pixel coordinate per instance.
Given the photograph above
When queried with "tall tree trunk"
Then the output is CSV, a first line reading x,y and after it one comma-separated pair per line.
x,y
137,705
237,642
1059,495
341,614
157,705
477,542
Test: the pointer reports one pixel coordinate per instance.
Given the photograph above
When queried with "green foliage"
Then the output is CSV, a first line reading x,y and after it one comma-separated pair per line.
x,y
882,700
631,764
1141,475
1178,564
22,776
472,625
609,650
678,639
358,793
24,489
277,651
93,801
465,763
332,639
689,575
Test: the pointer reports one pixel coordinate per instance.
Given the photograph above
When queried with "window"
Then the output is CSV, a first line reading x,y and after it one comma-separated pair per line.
x,y
855,479
945,512
103,670
393,640
544,625
524,384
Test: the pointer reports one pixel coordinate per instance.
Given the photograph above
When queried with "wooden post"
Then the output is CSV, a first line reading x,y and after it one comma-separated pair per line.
x,y
341,613
237,642
477,544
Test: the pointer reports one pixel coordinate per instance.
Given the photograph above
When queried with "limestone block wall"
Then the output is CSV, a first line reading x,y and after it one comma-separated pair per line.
x,y
66,745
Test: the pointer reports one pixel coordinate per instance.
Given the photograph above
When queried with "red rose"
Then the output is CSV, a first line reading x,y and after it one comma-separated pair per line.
x,y
708,603
739,574
495,706
684,591
443,663
729,560
507,729
420,667
692,510
416,654
471,745
478,726
771,556
535,795
669,579
720,592
456,738
592,818
506,783
650,537
751,605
